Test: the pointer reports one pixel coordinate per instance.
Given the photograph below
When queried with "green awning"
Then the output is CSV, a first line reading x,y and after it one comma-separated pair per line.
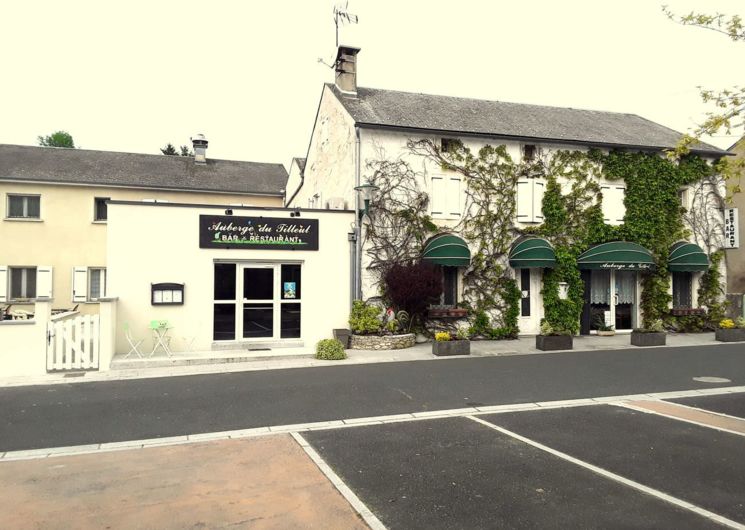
x,y
447,249
532,253
687,257
618,255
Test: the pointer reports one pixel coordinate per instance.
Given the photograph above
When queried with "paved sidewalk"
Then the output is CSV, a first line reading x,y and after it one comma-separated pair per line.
x,y
258,483
420,352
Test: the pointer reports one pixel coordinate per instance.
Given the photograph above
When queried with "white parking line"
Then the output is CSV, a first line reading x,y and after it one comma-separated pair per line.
x,y
618,478
348,423
369,517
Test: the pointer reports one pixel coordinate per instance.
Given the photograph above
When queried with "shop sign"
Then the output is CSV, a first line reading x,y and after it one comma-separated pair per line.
x,y
731,228
627,266
267,233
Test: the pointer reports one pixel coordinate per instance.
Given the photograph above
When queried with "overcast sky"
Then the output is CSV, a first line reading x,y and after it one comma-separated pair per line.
x,y
138,74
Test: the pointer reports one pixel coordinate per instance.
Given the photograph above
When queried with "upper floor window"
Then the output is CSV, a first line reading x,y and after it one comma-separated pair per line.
x,y
530,200
529,152
683,195
24,206
100,209
449,145
445,200
614,209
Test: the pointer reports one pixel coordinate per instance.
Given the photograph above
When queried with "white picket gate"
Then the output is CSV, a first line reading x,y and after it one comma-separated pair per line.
x,y
73,343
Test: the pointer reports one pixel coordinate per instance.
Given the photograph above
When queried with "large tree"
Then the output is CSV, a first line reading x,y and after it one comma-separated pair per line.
x,y
728,103
57,139
170,150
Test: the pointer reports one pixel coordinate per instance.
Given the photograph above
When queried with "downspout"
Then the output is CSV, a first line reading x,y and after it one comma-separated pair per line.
x,y
358,221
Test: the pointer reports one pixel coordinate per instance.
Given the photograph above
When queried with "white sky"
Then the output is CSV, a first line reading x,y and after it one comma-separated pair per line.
x,y
137,75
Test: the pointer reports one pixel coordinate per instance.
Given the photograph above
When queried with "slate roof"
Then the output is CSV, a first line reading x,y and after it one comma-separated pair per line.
x,y
108,168
409,110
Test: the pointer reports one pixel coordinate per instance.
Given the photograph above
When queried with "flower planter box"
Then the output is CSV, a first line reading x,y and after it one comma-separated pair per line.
x,y
657,338
382,342
451,347
730,335
686,312
553,342
343,336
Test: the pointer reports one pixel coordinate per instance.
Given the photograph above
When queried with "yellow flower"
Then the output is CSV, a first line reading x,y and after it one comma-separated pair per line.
x,y
727,323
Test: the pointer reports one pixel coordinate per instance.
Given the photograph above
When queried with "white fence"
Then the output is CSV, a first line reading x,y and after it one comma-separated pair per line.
x,y
73,342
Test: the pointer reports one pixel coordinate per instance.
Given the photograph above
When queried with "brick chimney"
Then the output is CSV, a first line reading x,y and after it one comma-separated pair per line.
x,y
346,69
200,149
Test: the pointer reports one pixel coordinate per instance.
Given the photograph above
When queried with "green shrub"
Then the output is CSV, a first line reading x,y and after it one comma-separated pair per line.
x,y
330,350
740,322
365,318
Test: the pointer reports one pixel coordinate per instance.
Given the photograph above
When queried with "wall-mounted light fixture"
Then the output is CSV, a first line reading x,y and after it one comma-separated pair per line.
x,y
228,212
366,193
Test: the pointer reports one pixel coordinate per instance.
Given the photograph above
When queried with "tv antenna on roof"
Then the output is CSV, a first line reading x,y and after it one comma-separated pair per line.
x,y
342,15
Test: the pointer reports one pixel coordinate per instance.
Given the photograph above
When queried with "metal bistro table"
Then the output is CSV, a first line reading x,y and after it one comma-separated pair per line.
x,y
160,329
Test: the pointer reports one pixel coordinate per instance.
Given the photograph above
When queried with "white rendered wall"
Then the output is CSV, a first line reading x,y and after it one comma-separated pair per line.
x,y
151,244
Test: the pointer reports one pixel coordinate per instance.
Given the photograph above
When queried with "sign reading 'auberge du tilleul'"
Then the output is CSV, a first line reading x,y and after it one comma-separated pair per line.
x,y
268,233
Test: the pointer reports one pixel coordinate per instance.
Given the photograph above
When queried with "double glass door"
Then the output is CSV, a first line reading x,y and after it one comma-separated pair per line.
x,y
257,301
613,299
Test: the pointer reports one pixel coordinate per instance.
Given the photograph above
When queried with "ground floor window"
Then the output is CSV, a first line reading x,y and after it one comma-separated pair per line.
x,y
682,290
257,301
449,285
22,282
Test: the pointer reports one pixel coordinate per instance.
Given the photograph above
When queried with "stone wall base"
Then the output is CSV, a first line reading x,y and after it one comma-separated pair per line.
x,y
384,342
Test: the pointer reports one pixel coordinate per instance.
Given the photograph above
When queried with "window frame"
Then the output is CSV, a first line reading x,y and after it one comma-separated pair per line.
x,y
24,283
25,196
88,296
96,219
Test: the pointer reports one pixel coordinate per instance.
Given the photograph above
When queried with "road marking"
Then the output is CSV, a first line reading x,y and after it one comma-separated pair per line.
x,y
372,521
356,422
733,423
618,478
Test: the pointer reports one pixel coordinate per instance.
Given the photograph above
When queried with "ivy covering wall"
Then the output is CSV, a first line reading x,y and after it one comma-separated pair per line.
x,y
573,222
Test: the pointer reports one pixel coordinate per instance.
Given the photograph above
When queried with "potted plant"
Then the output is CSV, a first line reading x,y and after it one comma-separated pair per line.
x,y
604,330
731,330
446,344
343,336
553,338
651,335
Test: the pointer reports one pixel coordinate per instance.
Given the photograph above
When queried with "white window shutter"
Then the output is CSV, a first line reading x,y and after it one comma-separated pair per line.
x,y
438,196
79,284
620,209
3,283
44,275
103,283
607,203
453,198
524,201
539,187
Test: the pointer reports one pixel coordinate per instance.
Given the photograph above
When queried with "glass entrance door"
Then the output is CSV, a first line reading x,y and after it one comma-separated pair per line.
x,y
258,302
625,299
612,299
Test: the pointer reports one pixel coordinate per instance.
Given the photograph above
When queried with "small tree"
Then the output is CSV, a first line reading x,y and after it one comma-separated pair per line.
x,y
170,150
57,139
413,287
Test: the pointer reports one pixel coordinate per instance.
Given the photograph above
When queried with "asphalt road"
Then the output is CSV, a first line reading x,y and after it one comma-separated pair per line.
x,y
81,413
458,474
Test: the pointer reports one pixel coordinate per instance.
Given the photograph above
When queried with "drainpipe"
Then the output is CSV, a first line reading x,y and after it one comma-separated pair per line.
x,y
358,220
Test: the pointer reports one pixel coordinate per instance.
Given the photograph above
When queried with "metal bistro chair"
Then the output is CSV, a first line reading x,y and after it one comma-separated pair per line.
x,y
160,336
134,344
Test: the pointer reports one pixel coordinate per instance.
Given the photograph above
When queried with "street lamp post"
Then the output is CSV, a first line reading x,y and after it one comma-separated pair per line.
x,y
365,194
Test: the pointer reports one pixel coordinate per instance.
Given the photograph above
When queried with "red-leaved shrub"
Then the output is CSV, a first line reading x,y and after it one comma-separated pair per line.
x,y
413,287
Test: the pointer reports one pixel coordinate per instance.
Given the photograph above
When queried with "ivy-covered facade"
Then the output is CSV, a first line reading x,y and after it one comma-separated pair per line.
x,y
533,213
